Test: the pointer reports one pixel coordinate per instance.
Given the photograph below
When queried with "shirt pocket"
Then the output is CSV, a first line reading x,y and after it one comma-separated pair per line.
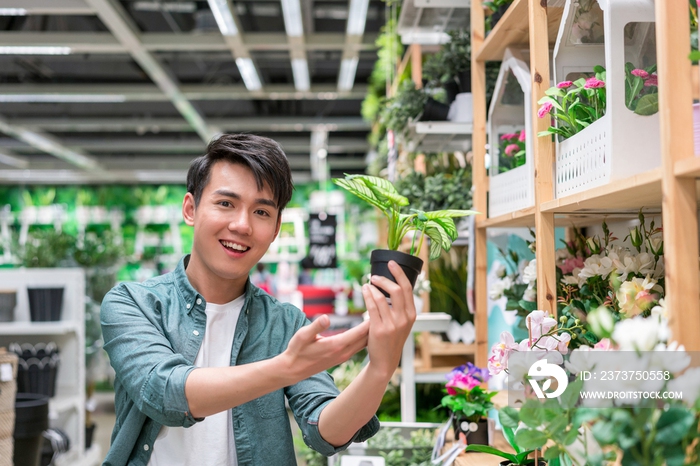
x,y
271,405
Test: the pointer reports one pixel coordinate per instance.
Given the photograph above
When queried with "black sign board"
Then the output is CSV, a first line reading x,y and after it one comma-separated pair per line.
x,y
322,241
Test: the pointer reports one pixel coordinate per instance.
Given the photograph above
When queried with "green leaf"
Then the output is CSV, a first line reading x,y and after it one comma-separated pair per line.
x,y
450,213
530,438
509,417
571,395
552,452
360,190
558,425
491,450
528,305
648,105
606,432
694,55
673,425
555,92
674,455
532,414
570,436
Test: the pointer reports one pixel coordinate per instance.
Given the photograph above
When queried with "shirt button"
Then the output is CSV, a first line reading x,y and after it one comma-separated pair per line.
x,y
145,447
196,333
188,305
199,301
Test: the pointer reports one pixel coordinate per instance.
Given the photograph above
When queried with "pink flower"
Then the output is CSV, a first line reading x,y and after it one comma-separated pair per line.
x,y
594,83
508,136
565,84
461,381
640,73
652,81
603,345
511,149
521,136
545,109
572,263
495,367
539,323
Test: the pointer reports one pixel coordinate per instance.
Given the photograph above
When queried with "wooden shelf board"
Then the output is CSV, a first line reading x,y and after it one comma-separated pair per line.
x,y
628,194
688,167
38,328
519,218
512,30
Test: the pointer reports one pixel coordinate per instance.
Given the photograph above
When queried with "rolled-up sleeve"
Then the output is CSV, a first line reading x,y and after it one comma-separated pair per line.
x,y
152,373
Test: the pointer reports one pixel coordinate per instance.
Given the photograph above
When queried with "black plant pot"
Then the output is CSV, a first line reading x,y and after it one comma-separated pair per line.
x,y
411,265
451,90
8,301
37,368
45,304
31,419
480,436
465,81
498,14
435,111
89,434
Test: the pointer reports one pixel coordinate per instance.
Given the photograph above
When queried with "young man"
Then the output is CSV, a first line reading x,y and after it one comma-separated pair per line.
x,y
204,359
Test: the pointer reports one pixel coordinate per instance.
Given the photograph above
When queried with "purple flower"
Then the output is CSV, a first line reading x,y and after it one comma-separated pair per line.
x,y
565,84
593,83
640,73
545,109
511,149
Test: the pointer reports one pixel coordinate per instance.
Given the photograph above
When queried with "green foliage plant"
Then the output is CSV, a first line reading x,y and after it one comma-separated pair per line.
x,y
641,89
438,225
456,54
407,104
47,248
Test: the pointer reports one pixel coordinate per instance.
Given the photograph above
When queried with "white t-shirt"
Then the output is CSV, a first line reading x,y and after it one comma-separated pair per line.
x,y
211,441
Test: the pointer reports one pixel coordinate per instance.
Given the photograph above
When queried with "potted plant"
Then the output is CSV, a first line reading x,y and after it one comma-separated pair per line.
x,y
438,226
496,8
468,402
408,103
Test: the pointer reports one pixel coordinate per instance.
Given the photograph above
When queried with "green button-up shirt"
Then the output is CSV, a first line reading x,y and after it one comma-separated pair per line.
x,y
153,331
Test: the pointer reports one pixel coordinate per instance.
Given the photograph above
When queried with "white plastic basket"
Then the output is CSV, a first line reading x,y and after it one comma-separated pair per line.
x,y
514,189
621,143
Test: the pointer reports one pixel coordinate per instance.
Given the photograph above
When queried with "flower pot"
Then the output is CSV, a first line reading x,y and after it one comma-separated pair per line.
x,y
32,419
8,301
89,434
462,109
465,80
37,368
477,433
45,304
411,265
435,111
451,90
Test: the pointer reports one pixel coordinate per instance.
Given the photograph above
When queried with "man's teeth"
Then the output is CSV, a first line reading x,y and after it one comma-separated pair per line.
x,y
235,246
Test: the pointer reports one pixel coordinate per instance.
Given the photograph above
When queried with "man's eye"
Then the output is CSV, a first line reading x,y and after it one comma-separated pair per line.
x,y
263,212
225,204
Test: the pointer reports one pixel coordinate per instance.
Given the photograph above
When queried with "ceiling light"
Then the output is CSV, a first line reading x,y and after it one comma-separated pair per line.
x,y
172,7
300,69
292,18
78,98
223,17
32,50
249,74
357,17
346,78
13,12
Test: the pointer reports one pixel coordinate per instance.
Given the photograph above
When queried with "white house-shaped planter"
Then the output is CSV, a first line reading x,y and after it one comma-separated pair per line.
x,y
621,143
511,111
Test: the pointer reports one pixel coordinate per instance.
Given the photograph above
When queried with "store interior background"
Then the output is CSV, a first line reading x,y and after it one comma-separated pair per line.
x,y
98,130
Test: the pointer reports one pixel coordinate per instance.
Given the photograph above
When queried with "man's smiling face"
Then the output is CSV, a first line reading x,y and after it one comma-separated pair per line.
x,y
234,224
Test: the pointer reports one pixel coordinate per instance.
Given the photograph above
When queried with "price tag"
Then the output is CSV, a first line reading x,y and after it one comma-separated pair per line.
x,y
5,372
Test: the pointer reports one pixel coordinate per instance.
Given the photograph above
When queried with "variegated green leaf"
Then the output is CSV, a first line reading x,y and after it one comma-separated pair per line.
x,y
449,226
452,213
383,189
439,239
359,189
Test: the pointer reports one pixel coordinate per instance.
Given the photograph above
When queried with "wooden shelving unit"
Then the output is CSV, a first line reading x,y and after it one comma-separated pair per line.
x,y
670,189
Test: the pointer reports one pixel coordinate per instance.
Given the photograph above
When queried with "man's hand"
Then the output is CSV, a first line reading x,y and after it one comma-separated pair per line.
x,y
308,353
390,325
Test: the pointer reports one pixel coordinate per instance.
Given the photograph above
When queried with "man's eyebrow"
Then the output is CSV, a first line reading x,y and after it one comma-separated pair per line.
x,y
231,194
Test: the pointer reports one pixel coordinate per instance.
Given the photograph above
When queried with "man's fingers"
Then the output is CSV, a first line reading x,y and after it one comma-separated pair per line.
x,y
371,304
310,331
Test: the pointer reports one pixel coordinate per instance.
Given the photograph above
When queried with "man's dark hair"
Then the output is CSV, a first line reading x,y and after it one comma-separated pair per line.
x,y
263,156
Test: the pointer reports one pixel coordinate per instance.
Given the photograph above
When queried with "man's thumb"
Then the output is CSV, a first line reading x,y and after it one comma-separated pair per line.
x,y
317,326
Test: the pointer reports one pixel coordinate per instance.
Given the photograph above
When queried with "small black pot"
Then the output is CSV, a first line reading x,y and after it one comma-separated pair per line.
x,y
8,301
498,14
32,418
89,434
451,90
411,265
480,436
45,304
465,81
435,111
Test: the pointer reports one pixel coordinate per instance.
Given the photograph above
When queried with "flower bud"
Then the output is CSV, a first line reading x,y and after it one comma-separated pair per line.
x,y
656,246
635,237
601,322
593,244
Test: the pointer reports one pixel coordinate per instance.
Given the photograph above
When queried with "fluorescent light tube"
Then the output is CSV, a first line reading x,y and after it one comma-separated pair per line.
x,y
357,17
33,50
300,69
62,98
13,12
249,74
223,17
292,18
346,78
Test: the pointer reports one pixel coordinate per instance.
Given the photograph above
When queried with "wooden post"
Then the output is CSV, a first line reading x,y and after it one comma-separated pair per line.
x,y
480,182
543,158
679,202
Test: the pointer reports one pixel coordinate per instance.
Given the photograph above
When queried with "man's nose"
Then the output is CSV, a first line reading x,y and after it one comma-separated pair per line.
x,y
240,223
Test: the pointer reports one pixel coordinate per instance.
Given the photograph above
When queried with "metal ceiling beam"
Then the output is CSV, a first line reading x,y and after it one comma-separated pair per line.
x,y
113,16
355,28
151,93
9,159
48,144
106,43
54,7
155,125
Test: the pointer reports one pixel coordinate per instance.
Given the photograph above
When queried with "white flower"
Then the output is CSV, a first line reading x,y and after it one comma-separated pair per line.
x,y
571,279
671,357
635,296
530,294
595,266
530,272
660,310
637,334
688,384
501,271
497,289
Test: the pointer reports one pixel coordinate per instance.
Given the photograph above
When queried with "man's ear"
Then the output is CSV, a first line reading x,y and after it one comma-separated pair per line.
x,y
188,209
279,224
